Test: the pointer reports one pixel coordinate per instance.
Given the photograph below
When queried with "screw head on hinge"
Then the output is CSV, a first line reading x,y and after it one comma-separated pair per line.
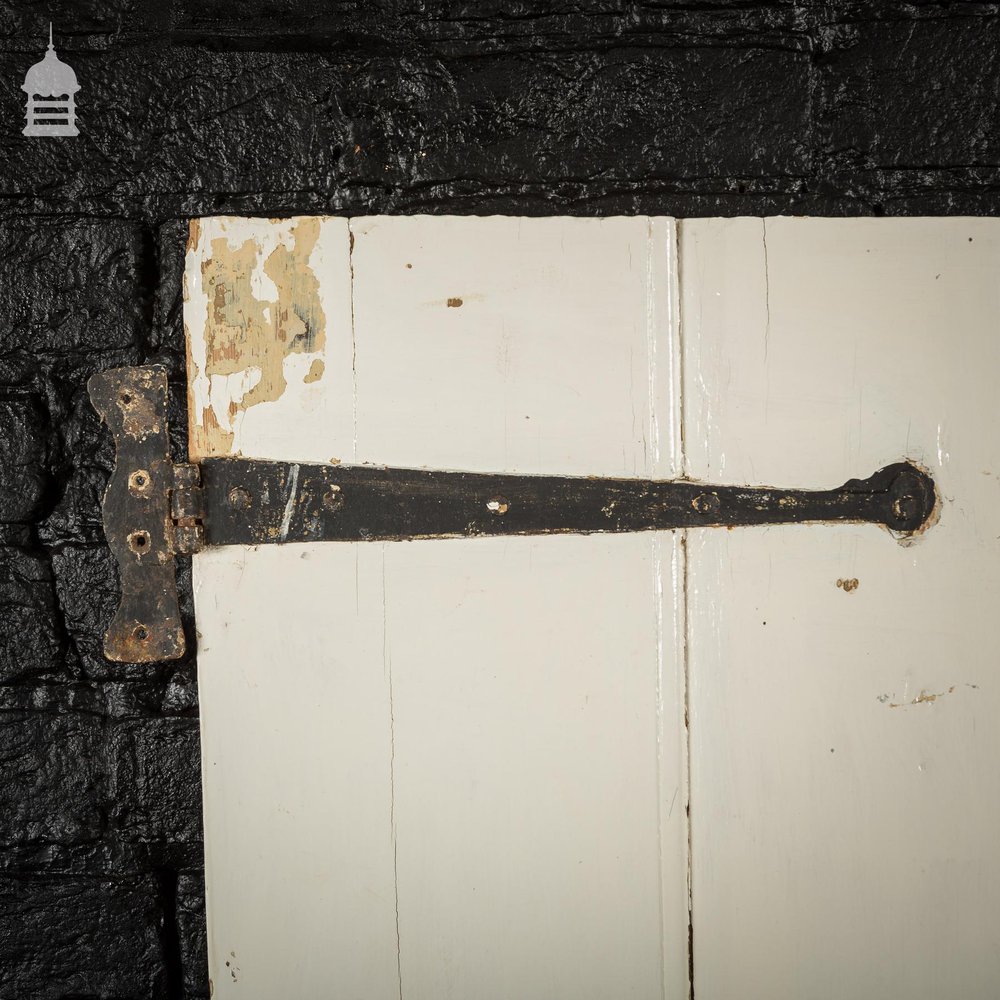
x,y
333,499
706,503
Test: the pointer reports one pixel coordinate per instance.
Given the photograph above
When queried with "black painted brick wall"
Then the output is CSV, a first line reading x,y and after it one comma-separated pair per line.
x,y
350,107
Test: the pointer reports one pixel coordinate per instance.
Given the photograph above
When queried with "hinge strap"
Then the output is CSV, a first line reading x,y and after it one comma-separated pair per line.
x,y
155,510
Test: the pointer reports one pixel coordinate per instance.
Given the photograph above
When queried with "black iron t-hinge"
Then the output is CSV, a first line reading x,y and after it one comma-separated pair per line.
x,y
155,509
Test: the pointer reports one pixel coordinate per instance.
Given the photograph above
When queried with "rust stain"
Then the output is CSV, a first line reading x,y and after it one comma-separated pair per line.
x,y
848,585
245,334
138,406
315,372
454,302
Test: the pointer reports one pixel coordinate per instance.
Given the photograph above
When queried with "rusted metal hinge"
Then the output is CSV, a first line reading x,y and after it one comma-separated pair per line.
x,y
187,509
155,510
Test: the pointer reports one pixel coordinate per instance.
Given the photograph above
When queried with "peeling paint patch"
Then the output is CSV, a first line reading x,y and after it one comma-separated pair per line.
x,y
213,440
261,302
243,331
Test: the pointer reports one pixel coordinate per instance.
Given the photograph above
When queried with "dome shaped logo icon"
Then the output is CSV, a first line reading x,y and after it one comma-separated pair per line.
x,y
51,88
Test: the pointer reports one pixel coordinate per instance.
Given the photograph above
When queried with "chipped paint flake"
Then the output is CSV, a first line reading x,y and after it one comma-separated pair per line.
x,y
315,372
924,698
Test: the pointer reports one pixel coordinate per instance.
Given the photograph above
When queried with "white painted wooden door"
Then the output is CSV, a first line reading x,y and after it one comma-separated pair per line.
x,y
442,768
460,768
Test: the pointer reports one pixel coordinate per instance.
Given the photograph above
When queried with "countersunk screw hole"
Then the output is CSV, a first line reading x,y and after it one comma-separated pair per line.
x,y
138,482
140,633
706,503
138,542
126,398
497,505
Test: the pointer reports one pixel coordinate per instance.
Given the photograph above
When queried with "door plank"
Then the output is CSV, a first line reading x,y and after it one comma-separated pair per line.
x,y
526,678
844,770
511,710
297,789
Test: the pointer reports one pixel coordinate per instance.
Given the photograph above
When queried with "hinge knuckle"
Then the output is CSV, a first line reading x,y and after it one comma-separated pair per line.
x,y
187,509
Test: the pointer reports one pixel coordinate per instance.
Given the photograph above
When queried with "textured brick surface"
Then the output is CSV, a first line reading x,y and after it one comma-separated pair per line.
x,y
355,106
66,935
100,813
